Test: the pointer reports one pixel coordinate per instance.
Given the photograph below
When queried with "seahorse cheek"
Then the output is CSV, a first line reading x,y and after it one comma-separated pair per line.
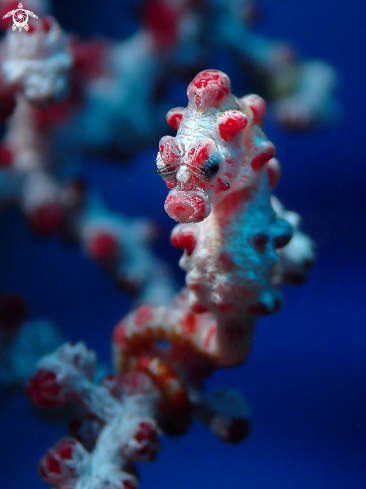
x,y
187,207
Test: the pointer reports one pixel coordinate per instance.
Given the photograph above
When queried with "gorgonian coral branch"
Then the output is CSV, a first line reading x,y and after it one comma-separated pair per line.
x,y
220,169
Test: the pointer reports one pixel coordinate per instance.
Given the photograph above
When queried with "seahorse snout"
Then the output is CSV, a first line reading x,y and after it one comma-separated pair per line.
x,y
185,207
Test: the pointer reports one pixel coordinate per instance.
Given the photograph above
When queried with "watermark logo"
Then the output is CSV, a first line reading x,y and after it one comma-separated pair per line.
x,y
20,18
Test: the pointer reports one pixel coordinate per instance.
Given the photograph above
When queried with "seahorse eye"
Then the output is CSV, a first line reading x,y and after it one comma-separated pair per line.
x,y
211,167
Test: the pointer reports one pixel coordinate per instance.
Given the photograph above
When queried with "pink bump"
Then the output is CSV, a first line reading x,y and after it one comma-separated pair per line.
x,y
273,170
266,153
208,88
233,122
258,107
103,247
174,117
144,314
184,240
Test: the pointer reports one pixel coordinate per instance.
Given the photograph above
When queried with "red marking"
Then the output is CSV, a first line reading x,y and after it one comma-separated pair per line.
x,y
223,185
47,24
144,314
174,118
88,57
199,206
209,337
119,335
31,28
170,185
169,150
49,467
257,106
54,114
148,432
194,286
53,465
198,308
6,157
265,154
103,247
199,154
13,312
225,261
186,208
162,20
273,170
234,122
188,324
65,448
184,240
129,485
208,88
43,389
47,219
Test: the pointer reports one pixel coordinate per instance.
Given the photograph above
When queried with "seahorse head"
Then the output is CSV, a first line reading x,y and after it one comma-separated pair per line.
x,y
219,147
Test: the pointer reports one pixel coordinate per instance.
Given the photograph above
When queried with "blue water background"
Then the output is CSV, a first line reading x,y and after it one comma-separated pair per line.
x,y
305,379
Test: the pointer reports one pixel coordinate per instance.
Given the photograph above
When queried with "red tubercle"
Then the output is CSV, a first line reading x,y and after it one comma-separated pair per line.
x,y
129,485
147,432
143,315
161,19
184,240
258,107
6,157
194,285
169,150
119,334
226,261
13,312
44,390
47,24
232,123
266,153
212,77
47,219
103,247
174,117
65,448
170,185
273,169
209,88
53,468
88,57
198,308
31,28
209,336
199,153
188,323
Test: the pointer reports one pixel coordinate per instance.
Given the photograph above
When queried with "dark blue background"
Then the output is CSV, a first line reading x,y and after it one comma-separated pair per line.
x,y
306,376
